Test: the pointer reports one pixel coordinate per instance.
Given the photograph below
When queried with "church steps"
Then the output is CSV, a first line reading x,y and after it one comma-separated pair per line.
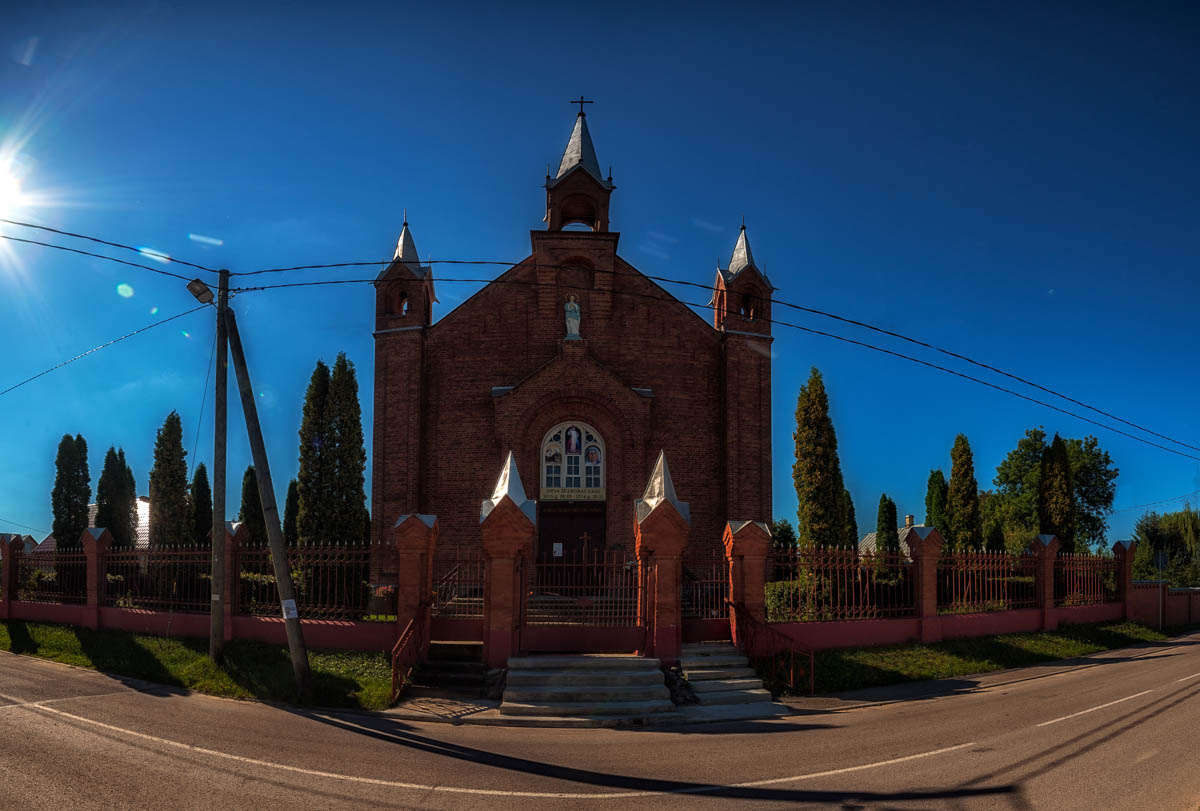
x,y
614,678
718,685
719,675
585,709
542,694
735,696
586,686
713,660
583,661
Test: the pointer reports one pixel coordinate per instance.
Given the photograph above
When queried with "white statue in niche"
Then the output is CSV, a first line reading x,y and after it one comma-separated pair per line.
x,y
572,311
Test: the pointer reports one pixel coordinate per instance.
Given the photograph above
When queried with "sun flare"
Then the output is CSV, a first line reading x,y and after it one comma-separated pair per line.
x,y
10,193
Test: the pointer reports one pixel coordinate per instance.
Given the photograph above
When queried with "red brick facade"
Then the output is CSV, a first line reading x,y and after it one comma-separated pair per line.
x,y
498,372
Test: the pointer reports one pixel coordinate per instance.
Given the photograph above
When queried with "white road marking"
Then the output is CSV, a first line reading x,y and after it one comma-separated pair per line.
x,y
551,795
1185,678
1093,709
19,703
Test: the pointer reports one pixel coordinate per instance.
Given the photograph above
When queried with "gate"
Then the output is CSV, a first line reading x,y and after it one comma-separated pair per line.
x,y
458,586
583,601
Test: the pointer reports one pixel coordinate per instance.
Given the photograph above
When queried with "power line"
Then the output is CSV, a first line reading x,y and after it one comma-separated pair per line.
x,y
98,348
203,400
788,304
1156,503
800,327
142,251
23,526
94,255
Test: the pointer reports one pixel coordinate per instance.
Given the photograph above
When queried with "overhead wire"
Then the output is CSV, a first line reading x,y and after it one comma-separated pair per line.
x,y
203,399
143,251
98,348
94,255
863,344
23,526
1156,503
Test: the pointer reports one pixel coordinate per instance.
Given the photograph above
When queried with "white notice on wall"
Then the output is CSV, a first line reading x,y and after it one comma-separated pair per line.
x,y
558,550
289,610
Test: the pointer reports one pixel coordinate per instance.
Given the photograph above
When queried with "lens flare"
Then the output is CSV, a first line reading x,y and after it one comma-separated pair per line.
x,y
157,256
185,333
124,290
153,311
205,240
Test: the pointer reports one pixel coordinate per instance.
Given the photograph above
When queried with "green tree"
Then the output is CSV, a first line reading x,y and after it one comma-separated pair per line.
x,y
346,456
1056,495
116,504
170,519
887,535
71,493
850,538
131,491
817,472
783,536
963,525
1095,482
291,515
251,511
200,503
935,500
314,486
991,512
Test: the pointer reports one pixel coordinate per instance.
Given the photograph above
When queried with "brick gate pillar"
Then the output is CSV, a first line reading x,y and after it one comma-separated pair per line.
x,y
11,551
1045,549
507,524
747,544
661,524
415,536
95,544
925,546
1123,552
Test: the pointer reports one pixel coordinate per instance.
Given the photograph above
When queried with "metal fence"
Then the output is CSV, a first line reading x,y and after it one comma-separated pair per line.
x,y
838,584
598,588
162,578
332,582
705,590
52,577
458,584
970,582
1085,580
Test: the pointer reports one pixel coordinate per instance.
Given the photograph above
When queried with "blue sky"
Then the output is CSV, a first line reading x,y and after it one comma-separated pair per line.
x,y
1015,182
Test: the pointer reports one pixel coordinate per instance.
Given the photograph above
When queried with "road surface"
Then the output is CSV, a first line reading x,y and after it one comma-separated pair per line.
x,y
1117,732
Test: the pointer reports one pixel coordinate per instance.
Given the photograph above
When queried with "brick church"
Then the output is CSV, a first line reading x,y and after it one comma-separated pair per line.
x,y
585,370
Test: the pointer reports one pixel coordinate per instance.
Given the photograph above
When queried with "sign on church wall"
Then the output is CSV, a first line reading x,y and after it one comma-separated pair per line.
x,y
572,494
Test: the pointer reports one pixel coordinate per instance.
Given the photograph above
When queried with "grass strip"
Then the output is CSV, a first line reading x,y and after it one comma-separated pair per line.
x,y
854,668
351,679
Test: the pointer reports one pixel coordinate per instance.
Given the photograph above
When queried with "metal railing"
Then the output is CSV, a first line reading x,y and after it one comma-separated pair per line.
x,y
778,668
838,584
52,577
458,579
970,582
164,578
705,588
408,650
1085,580
598,588
331,580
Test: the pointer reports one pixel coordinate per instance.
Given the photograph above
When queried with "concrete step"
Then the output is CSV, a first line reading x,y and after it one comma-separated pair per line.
x,y
740,696
456,651
720,685
583,709
708,649
598,661
718,660
451,666
614,678
540,694
707,673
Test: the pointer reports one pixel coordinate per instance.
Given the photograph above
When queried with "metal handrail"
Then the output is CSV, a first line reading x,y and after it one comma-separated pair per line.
x,y
410,638
750,627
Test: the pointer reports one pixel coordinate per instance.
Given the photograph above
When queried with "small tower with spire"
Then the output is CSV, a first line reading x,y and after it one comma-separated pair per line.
x,y
404,294
741,297
578,192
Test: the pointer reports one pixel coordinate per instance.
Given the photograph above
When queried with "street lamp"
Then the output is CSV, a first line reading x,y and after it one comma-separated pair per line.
x,y
200,290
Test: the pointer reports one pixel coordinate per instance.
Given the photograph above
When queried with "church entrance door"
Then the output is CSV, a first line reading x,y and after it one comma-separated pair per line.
x,y
567,528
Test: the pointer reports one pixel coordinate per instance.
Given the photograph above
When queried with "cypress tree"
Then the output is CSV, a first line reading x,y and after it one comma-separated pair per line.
x,y
71,493
963,525
291,515
817,472
130,493
200,501
251,512
1056,495
114,508
313,485
887,535
170,520
935,500
346,456
850,537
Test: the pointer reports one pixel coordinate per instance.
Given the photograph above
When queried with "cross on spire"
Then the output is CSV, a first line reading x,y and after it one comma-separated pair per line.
x,y
581,101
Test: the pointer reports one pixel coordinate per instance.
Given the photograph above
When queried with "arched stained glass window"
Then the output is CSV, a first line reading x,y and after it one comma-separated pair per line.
x,y
573,463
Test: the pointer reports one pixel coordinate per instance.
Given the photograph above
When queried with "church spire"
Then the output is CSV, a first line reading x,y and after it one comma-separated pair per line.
x,y
742,258
406,248
580,151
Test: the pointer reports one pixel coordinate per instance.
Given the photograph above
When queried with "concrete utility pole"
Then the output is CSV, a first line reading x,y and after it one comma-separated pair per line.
x,y
216,625
262,471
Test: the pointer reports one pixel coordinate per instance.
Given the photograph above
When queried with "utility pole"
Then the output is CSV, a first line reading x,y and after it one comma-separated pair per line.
x,y
266,492
216,625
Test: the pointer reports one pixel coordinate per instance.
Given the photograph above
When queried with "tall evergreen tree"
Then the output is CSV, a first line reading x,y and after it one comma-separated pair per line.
x,y
346,455
850,536
1056,495
887,534
115,503
71,493
170,521
935,500
783,536
200,502
313,479
817,472
130,495
251,511
963,524
291,515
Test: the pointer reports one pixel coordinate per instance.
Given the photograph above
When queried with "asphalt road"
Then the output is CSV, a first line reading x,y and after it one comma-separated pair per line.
x,y
1117,732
